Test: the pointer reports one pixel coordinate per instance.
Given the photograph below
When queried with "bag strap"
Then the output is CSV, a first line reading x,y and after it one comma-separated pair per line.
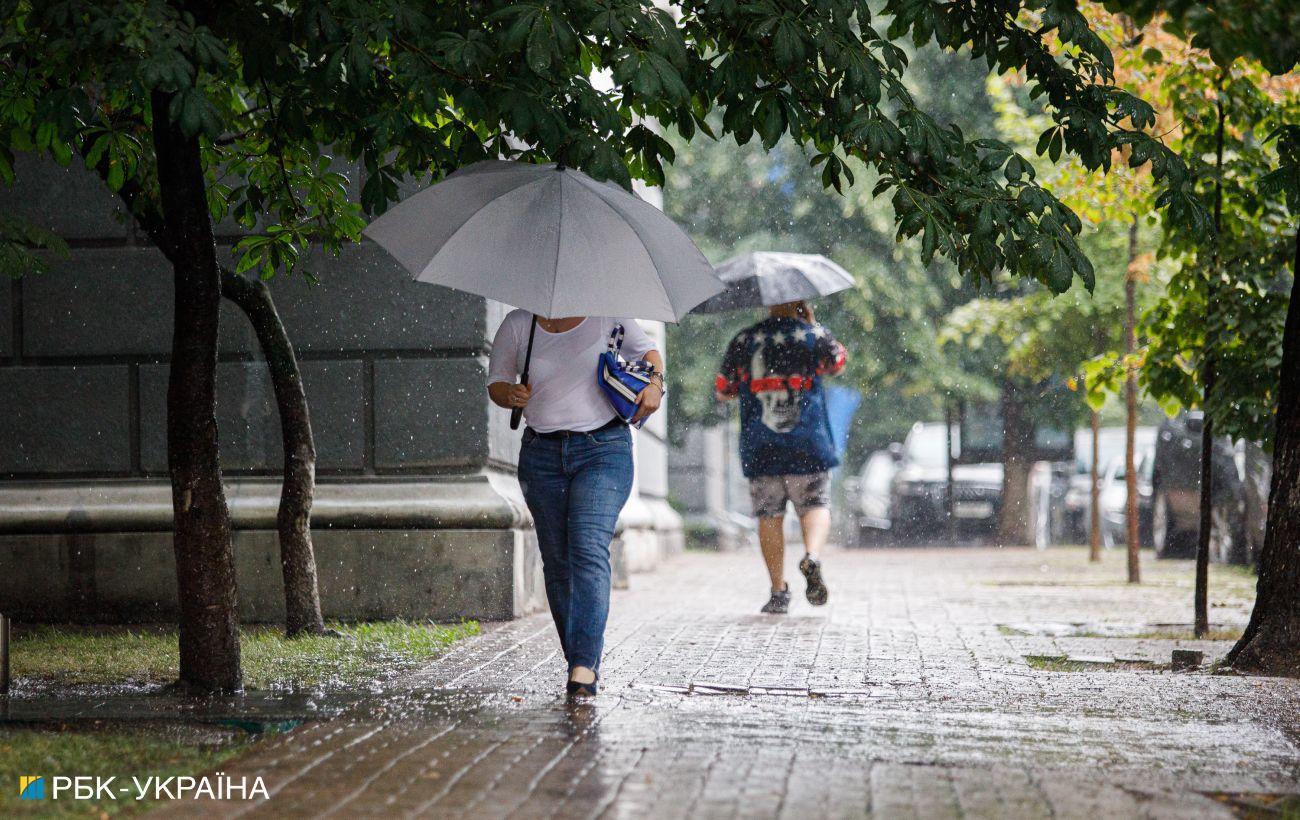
x,y
616,349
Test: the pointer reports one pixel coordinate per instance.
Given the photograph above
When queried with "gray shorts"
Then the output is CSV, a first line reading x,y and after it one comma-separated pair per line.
x,y
769,493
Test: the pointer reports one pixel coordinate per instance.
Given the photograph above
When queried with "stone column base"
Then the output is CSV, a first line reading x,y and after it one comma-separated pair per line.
x,y
445,549
130,577
441,549
649,530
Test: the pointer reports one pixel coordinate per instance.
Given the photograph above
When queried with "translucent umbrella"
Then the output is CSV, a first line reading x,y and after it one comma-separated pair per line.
x,y
550,240
764,278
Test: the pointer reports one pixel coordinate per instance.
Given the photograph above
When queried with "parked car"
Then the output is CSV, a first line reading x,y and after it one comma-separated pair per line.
x,y
866,497
1076,513
918,506
1114,499
1240,498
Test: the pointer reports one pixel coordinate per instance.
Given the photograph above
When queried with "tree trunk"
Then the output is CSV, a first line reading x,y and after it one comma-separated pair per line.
x,y
950,483
1094,472
1271,643
1201,609
205,565
298,563
1094,499
293,521
1017,460
1131,413
1201,604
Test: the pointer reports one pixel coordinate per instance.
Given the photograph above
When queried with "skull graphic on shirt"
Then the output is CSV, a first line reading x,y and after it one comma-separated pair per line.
x,y
780,407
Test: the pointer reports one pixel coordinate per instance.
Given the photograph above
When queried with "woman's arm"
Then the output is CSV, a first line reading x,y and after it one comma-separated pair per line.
x,y
651,397
501,368
508,395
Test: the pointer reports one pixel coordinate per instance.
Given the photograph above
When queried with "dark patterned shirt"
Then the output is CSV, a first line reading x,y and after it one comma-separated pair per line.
x,y
776,368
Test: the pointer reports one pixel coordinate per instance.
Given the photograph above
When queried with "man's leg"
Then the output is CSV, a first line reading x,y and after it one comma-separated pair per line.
x,y
816,526
771,540
767,493
811,494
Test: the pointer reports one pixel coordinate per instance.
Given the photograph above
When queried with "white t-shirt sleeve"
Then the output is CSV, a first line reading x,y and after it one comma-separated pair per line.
x,y
636,342
504,362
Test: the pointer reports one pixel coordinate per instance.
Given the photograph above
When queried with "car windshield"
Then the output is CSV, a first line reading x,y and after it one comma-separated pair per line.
x,y
926,446
1145,468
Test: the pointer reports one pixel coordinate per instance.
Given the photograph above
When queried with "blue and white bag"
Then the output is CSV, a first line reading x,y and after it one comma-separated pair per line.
x,y
622,381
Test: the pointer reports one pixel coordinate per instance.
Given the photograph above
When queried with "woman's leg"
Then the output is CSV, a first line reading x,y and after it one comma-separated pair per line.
x,y
546,490
597,492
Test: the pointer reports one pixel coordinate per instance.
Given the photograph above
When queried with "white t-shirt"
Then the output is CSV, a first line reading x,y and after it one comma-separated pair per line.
x,y
563,368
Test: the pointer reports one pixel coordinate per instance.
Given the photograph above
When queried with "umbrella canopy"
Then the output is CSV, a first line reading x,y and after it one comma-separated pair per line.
x,y
769,278
550,240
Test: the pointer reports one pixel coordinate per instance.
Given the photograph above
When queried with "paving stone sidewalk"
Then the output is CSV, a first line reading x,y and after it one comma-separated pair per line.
x,y
910,695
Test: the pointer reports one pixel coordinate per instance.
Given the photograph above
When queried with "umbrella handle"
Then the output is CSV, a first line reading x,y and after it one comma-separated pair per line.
x,y
518,413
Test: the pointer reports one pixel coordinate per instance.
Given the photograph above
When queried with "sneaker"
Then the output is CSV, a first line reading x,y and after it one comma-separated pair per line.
x,y
812,573
779,603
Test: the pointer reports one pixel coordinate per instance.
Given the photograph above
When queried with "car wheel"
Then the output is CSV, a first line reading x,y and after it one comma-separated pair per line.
x,y
1168,541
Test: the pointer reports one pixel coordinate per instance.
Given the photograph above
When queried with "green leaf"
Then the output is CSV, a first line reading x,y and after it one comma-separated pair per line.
x,y
116,176
1017,168
770,120
541,42
787,43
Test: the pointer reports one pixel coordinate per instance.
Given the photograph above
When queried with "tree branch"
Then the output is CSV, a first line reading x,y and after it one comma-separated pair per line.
x,y
144,209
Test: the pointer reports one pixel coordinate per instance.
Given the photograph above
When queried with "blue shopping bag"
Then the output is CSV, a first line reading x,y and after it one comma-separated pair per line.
x,y
841,405
622,381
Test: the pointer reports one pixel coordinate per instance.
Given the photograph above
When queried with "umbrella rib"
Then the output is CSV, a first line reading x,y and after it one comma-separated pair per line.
x,y
470,219
559,242
628,222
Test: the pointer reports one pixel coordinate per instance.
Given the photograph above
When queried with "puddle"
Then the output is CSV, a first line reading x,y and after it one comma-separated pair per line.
x,y
713,688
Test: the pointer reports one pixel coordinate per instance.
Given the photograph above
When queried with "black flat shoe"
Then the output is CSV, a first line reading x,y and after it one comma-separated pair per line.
x,y
577,690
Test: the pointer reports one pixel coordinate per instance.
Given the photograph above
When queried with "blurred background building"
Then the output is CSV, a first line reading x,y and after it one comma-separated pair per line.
x,y
417,512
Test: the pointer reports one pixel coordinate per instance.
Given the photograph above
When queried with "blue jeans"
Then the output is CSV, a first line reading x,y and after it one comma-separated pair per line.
x,y
575,488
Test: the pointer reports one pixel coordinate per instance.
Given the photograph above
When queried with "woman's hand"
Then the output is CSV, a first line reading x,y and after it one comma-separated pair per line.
x,y
519,395
509,396
648,401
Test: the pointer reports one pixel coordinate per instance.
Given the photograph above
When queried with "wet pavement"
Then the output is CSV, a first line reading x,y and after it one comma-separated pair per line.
x,y
913,694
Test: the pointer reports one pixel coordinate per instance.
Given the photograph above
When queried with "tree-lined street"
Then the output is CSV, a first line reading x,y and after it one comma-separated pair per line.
x,y
1044,214
934,685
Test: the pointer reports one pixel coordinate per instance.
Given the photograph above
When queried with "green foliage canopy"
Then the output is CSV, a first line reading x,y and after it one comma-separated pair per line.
x,y
411,89
1229,297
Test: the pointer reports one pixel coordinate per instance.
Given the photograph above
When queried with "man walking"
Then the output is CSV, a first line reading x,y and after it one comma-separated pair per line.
x,y
786,449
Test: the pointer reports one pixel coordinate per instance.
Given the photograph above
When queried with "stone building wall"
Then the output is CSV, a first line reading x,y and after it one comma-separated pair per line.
x,y
709,489
417,514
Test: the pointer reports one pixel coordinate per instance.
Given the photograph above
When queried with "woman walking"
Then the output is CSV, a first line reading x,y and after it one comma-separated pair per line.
x,y
575,465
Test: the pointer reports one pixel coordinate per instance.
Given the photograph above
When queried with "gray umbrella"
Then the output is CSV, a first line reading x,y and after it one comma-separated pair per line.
x,y
765,278
550,240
